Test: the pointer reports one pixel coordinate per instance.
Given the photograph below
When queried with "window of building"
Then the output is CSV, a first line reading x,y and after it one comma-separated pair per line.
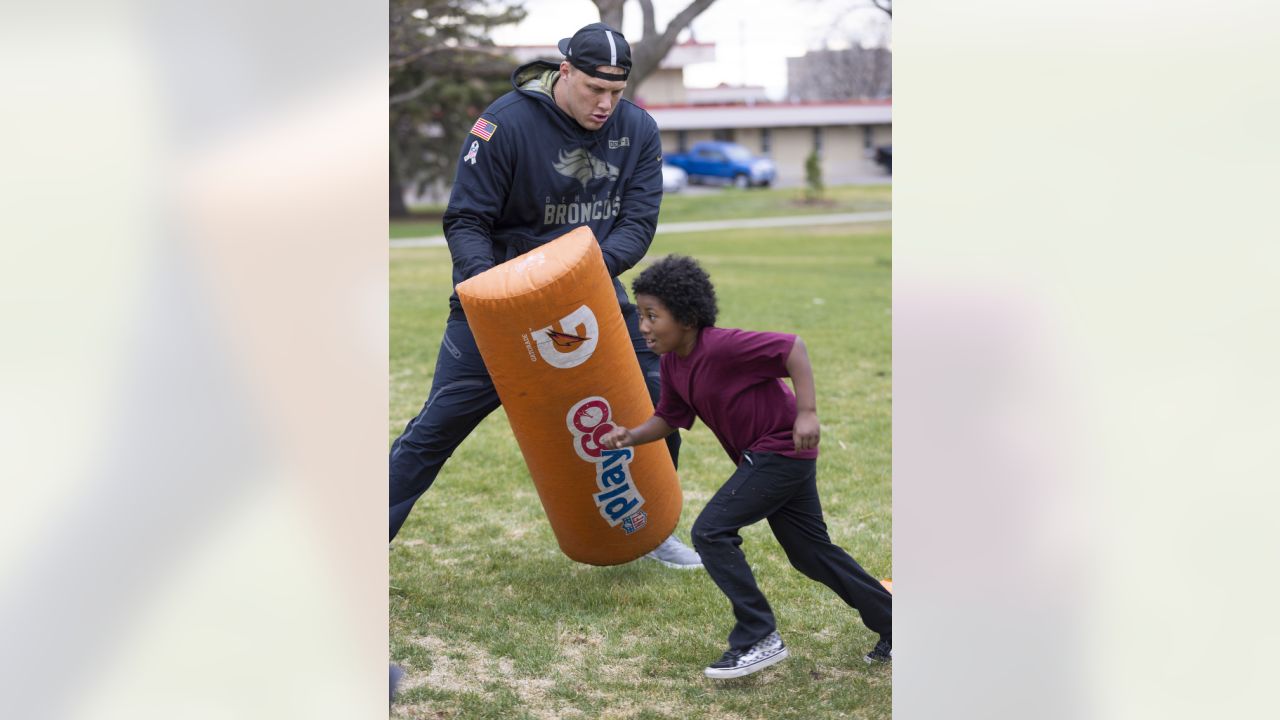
x,y
817,141
866,136
725,135
682,141
766,141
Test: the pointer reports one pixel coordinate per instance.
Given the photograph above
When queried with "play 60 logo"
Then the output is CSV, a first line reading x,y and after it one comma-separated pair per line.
x,y
618,500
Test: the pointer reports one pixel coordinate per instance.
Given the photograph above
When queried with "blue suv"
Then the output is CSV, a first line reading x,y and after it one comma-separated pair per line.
x,y
725,162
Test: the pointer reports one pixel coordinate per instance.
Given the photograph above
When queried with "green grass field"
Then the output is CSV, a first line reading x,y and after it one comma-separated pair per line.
x,y
489,618
729,202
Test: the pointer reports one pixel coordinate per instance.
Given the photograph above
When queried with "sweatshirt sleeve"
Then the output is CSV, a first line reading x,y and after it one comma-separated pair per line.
x,y
632,234
479,190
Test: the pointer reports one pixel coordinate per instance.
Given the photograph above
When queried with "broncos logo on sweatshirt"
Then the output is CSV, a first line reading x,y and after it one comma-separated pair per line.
x,y
583,166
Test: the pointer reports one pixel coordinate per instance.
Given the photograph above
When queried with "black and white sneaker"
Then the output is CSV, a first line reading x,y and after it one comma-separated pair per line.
x,y
736,663
881,653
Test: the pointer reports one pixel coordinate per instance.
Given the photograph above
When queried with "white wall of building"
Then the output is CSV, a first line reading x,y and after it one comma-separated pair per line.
x,y
846,158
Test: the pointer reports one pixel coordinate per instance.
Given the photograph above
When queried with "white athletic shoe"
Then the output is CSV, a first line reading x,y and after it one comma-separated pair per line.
x,y
675,554
736,663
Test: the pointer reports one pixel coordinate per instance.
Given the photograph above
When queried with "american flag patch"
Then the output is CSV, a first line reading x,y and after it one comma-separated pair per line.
x,y
483,129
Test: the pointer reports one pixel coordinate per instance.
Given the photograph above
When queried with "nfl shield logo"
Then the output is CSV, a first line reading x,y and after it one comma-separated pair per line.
x,y
635,522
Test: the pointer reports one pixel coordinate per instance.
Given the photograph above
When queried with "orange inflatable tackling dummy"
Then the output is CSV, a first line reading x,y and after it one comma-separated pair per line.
x,y
552,336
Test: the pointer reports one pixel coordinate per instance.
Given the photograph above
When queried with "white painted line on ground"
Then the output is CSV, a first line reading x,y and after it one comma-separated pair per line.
x,y
710,225
786,221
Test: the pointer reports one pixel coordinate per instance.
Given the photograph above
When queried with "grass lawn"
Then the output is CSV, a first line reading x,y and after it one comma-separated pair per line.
x,y
735,203
726,203
489,618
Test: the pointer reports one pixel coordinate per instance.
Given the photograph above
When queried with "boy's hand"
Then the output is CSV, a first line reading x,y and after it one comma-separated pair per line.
x,y
806,431
619,437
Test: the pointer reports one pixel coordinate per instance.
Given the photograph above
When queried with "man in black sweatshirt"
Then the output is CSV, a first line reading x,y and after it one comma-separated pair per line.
x,y
561,150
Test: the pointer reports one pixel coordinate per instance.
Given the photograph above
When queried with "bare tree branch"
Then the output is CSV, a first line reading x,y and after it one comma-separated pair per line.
x,y
423,87
682,21
652,46
650,27
649,52
416,55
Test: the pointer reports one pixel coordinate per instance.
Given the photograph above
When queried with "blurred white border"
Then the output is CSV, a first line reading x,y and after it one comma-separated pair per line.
x,y
193,208
1084,305
195,373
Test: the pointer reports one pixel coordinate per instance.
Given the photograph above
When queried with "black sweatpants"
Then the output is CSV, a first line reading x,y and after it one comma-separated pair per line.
x,y
785,491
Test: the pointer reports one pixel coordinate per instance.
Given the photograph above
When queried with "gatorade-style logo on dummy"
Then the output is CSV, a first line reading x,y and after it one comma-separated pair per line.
x,y
573,343
619,501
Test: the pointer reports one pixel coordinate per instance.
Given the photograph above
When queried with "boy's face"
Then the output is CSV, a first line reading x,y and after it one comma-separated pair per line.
x,y
661,331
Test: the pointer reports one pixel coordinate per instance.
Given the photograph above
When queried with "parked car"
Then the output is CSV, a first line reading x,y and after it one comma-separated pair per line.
x,y
673,178
725,162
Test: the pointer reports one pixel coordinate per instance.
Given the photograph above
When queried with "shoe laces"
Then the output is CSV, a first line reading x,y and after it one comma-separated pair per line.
x,y
731,656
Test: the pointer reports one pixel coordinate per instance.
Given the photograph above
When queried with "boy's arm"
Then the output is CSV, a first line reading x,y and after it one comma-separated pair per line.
x,y
655,428
806,431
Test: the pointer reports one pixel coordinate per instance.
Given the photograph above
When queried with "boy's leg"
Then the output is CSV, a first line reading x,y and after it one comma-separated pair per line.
x,y
744,499
462,395
802,533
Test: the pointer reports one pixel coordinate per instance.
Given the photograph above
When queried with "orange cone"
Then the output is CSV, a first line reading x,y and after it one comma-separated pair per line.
x,y
552,336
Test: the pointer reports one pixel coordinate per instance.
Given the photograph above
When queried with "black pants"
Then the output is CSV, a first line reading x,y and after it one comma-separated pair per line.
x,y
785,491
462,394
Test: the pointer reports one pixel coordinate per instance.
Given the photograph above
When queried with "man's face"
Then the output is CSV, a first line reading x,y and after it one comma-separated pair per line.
x,y
588,100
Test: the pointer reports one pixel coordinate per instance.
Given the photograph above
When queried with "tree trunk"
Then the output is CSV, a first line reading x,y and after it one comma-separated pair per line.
x,y
610,12
398,208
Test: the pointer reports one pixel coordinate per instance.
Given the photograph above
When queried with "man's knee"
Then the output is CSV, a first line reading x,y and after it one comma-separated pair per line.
x,y
425,438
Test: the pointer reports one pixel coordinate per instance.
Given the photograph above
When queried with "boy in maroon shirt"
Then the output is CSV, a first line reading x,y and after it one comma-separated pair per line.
x,y
732,379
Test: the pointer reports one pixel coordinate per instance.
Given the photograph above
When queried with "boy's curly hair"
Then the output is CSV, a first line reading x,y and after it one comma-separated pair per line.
x,y
683,287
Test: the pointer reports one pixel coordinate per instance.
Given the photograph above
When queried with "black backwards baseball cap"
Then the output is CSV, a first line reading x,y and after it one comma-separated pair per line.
x,y
595,45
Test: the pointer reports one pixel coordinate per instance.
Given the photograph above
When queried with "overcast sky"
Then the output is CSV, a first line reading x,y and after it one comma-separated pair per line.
x,y
753,37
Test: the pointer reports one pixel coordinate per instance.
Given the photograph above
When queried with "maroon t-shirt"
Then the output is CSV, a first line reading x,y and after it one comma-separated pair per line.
x,y
733,381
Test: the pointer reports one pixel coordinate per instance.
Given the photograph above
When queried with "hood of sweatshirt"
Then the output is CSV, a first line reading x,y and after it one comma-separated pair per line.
x,y
536,77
